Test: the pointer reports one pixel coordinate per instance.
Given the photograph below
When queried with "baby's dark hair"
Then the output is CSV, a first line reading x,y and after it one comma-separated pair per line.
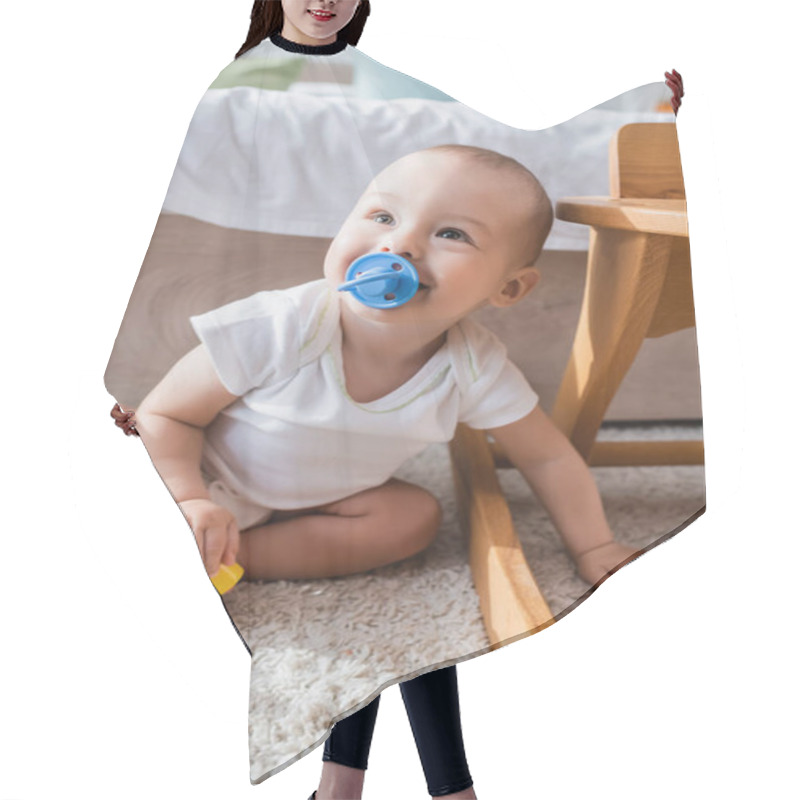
x,y
266,19
541,217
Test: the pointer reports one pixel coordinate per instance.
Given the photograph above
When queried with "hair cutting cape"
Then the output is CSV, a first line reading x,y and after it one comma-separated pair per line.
x,y
281,146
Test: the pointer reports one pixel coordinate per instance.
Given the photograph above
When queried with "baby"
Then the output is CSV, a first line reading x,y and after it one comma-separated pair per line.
x,y
279,434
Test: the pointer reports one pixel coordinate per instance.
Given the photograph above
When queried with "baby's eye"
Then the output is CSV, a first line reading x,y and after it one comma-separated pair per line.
x,y
455,234
383,218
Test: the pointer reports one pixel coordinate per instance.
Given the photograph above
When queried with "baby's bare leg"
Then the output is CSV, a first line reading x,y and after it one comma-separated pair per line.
x,y
367,530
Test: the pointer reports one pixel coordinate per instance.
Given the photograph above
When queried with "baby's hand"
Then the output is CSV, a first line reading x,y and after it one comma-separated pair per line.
x,y
595,564
215,530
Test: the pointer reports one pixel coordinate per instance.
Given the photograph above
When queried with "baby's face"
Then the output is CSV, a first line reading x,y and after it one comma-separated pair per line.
x,y
460,223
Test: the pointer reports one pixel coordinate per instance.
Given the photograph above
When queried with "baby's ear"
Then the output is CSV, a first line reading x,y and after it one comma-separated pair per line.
x,y
515,287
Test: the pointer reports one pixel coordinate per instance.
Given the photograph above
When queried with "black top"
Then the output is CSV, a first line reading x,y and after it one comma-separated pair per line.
x,y
308,49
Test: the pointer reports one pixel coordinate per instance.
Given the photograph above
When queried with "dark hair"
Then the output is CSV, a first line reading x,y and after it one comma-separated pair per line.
x,y
266,19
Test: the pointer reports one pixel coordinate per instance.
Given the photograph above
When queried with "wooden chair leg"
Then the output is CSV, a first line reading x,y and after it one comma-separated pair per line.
x,y
625,276
511,602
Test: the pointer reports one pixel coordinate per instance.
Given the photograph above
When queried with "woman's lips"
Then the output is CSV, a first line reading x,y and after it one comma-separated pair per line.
x,y
323,16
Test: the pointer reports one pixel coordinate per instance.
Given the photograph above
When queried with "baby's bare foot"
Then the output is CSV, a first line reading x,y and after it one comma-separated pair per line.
x,y
594,565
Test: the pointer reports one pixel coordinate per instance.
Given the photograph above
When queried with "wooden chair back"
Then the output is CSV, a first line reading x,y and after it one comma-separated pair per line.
x,y
644,161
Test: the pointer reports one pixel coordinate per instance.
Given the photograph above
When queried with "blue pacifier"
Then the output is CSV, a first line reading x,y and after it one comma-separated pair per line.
x,y
381,280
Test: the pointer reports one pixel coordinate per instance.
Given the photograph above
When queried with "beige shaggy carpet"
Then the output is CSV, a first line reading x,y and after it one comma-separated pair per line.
x,y
323,648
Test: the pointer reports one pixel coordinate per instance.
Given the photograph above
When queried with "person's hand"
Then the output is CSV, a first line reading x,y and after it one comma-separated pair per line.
x,y
124,420
215,530
594,565
675,83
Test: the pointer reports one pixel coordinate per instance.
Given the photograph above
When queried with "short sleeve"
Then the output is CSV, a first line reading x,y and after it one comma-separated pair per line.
x,y
494,390
252,342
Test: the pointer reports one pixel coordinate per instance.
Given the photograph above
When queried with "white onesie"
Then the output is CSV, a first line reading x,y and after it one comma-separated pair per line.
x,y
295,439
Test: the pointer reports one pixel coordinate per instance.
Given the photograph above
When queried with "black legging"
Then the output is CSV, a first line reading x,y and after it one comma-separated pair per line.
x,y
431,702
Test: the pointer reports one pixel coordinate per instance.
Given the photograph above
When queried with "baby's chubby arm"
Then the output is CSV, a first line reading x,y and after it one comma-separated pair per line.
x,y
562,481
171,421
